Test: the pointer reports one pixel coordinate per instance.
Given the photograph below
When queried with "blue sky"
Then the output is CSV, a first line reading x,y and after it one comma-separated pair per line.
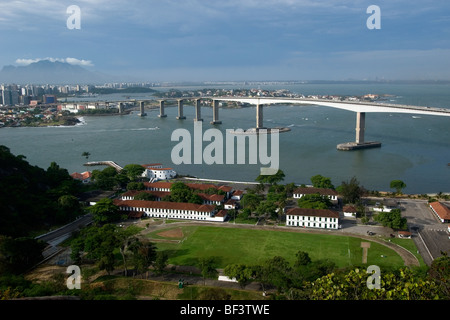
x,y
209,40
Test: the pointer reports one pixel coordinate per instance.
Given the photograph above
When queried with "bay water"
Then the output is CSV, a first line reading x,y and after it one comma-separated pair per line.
x,y
415,149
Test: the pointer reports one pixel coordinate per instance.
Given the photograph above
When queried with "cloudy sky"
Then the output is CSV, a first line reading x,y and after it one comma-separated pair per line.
x,y
209,40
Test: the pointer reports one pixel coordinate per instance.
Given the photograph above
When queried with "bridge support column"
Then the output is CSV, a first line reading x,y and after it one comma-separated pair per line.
x,y
141,109
161,109
216,113
198,111
259,116
180,110
360,126
120,107
359,143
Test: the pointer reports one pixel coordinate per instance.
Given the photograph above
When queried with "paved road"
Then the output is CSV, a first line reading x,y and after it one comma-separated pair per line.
x,y
54,238
429,234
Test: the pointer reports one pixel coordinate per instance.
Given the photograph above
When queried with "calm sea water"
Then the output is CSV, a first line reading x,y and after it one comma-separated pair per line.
x,y
414,149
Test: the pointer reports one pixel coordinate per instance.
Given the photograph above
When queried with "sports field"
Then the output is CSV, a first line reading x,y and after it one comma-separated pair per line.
x,y
252,246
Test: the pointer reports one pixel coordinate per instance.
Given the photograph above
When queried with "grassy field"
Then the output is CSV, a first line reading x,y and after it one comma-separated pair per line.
x,y
250,246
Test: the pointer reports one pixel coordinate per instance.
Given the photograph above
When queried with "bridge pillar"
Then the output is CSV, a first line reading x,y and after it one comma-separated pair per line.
x,y
180,110
141,109
359,143
259,116
198,112
120,107
216,113
161,109
360,126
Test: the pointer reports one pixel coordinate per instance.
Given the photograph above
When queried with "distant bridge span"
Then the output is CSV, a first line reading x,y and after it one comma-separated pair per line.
x,y
359,107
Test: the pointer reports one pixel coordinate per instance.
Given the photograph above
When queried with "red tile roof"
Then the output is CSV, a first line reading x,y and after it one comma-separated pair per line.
x,y
313,212
221,213
349,209
441,210
158,185
81,176
212,197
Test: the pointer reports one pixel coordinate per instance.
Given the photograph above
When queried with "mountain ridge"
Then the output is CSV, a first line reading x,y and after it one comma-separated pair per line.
x,y
51,72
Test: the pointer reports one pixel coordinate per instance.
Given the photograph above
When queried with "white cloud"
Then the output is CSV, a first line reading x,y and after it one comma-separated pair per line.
x,y
69,60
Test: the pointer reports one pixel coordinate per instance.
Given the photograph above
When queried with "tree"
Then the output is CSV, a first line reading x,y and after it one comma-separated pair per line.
x,y
144,254
145,196
85,154
105,211
70,206
352,285
319,181
207,268
302,259
241,272
160,261
392,219
251,201
398,185
133,171
135,186
277,272
180,192
271,179
314,201
440,273
99,245
19,254
351,191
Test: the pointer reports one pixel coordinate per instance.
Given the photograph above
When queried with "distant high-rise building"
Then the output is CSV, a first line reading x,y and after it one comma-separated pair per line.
x,y
10,95
48,98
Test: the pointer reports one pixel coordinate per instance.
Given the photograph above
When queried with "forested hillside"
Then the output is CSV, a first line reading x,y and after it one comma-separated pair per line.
x,y
32,198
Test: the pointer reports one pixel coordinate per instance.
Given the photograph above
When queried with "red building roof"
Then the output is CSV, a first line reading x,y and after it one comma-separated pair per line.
x,y
441,210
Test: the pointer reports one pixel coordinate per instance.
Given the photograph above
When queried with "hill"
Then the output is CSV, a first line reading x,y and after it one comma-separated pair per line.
x,y
31,196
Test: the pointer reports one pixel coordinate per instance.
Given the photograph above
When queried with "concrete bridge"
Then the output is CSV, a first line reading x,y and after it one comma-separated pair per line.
x,y
359,107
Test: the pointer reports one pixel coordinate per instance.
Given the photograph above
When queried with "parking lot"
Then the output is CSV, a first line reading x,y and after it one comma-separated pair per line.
x,y
429,234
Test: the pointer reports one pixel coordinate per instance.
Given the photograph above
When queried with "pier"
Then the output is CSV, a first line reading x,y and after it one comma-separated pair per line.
x,y
104,163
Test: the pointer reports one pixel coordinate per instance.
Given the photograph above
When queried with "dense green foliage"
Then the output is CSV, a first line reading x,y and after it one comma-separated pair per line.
x,y
392,219
271,179
33,198
398,185
180,192
319,181
314,201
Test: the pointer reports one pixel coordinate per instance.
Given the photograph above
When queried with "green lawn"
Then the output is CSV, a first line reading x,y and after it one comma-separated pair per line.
x,y
250,246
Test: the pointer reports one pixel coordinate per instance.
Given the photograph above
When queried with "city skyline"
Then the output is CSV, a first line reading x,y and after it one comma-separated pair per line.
x,y
233,40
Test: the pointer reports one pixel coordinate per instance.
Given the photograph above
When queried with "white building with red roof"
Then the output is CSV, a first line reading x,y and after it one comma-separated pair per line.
x,y
170,210
84,177
312,218
441,211
156,171
324,192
